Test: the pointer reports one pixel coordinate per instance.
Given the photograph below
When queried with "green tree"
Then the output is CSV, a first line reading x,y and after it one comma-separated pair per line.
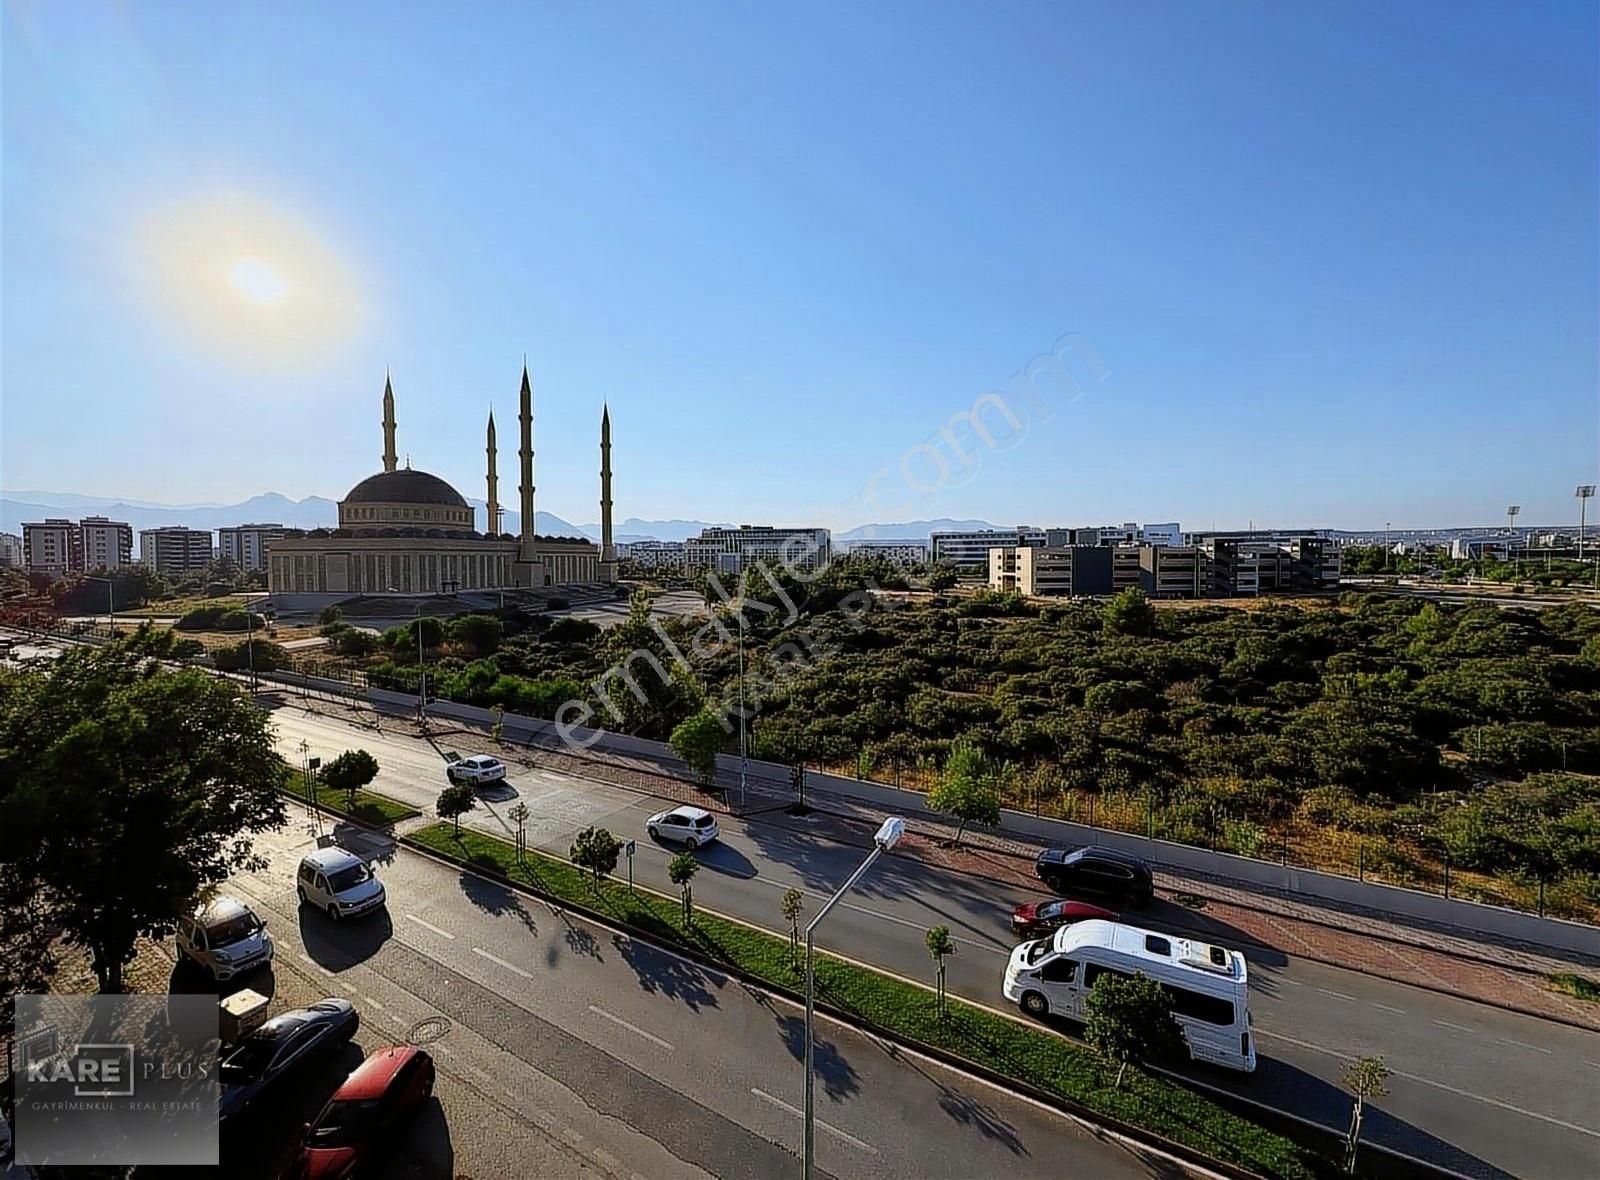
x,y
479,634
680,871
696,740
261,654
790,905
519,815
1130,613
349,772
1364,1079
940,945
1130,1021
455,801
941,577
497,724
596,850
125,790
966,790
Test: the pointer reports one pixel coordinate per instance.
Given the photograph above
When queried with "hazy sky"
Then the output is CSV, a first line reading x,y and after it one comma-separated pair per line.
x,y
1321,264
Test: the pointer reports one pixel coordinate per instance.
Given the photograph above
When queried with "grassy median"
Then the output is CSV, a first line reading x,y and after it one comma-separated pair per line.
x,y
377,810
1035,1056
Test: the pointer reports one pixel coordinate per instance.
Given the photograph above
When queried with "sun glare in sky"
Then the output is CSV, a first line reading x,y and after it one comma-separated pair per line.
x,y
239,277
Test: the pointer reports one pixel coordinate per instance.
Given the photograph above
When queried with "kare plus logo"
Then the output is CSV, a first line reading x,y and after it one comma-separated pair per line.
x,y
95,1070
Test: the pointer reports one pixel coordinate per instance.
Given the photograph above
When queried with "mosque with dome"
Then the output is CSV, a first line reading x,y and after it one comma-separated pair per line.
x,y
403,531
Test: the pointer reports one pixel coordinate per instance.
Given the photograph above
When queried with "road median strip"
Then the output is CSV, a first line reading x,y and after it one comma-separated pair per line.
x,y
1034,1061
369,808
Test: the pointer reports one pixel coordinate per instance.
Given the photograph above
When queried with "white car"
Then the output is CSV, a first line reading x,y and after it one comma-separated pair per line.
x,y
478,769
692,827
225,937
339,883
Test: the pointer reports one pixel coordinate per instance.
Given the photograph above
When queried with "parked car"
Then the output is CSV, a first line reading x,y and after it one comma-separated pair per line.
x,y
225,936
367,1114
279,1050
339,883
477,770
1096,872
1035,919
690,826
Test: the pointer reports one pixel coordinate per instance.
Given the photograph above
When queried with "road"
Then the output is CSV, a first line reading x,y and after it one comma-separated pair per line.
x,y
634,1061
1481,1090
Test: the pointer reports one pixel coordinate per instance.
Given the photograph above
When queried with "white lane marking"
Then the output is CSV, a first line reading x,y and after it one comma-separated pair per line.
x,y
480,1073
371,1003
1336,995
1400,1073
314,965
429,926
633,1028
1523,1045
798,1113
1457,1027
499,962
1389,1008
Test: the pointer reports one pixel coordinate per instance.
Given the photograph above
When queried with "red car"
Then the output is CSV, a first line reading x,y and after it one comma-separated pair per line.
x,y
1035,919
366,1114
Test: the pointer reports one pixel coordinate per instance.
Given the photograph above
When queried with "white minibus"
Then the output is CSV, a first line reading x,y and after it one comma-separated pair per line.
x,y
1208,985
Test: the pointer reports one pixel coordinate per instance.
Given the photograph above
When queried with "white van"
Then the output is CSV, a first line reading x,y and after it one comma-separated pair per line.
x,y
1209,985
225,937
338,882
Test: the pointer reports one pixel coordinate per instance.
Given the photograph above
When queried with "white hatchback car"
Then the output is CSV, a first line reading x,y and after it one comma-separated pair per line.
x,y
225,937
477,769
690,826
339,883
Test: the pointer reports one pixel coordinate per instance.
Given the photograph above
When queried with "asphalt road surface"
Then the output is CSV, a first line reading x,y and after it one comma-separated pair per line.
x,y
1478,1089
628,1059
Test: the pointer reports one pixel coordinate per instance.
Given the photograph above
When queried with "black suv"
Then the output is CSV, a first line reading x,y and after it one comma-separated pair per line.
x,y
1096,872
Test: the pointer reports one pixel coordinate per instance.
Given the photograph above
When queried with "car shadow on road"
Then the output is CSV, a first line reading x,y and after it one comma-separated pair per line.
x,y
426,1151
494,898
730,862
500,792
338,945
188,978
660,973
839,1077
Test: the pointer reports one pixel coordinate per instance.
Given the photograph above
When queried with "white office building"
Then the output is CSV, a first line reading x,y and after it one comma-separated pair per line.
x,y
653,555
246,544
729,550
899,551
972,548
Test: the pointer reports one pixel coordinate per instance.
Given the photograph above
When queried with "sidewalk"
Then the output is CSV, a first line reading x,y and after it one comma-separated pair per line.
x,y
1458,962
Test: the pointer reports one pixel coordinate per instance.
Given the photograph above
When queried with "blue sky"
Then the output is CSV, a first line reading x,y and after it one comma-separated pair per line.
x,y
1338,262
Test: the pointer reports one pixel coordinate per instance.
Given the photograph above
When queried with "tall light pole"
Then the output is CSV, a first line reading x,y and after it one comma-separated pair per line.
x,y
1584,493
1511,521
888,835
1387,548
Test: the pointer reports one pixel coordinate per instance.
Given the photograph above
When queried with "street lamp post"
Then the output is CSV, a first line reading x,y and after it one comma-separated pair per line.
x,y
1584,493
888,835
1386,547
1511,541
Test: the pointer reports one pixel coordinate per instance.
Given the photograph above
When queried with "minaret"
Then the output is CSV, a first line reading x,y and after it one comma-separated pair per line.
x,y
608,551
494,484
526,454
389,460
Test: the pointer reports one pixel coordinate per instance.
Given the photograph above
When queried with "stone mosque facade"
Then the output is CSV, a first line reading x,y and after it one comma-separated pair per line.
x,y
404,531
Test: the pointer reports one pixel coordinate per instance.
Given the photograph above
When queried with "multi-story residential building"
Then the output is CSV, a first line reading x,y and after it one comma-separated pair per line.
x,y
972,548
1173,571
246,544
107,544
10,551
174,550
52,546
897,551
1043,570
729,550
660,555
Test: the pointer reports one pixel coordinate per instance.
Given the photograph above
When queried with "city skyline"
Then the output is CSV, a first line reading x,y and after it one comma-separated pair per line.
x,y
1334,319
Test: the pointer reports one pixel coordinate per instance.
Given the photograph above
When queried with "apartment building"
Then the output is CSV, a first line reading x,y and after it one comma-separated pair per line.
x,y
730,550
1051,571
1174,571
972,548
10,551
107,544
175,551
896,551
246,544
657,555
52,546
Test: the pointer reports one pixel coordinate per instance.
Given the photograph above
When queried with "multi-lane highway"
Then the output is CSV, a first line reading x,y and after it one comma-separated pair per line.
x,y
1478,1089
638,1062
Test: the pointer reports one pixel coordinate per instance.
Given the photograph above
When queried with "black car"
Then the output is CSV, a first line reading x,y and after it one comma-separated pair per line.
x,y
279,1049
1096,872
